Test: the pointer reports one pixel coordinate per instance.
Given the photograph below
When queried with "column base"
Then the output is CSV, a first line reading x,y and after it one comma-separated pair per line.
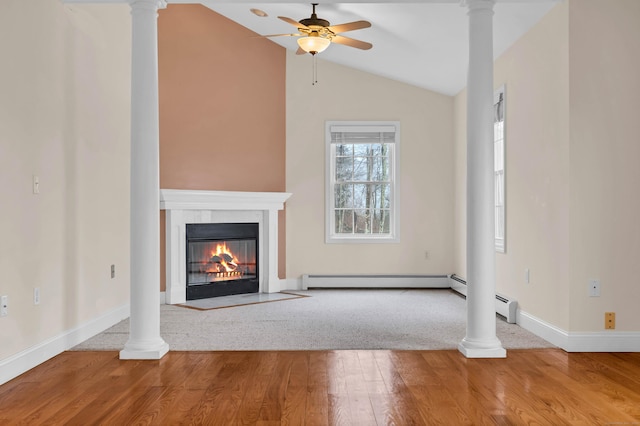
x,y
156,350
482,349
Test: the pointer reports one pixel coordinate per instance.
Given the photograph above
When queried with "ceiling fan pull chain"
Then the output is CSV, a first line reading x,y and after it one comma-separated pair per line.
x,y
315,71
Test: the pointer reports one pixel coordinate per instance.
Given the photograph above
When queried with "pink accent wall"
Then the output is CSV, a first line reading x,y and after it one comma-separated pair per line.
x,y
222,107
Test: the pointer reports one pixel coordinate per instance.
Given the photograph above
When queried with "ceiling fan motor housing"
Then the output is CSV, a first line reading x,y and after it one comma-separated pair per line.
x,y
315,21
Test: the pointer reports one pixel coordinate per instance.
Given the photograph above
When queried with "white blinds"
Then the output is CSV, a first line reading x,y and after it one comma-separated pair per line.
x,y
363,134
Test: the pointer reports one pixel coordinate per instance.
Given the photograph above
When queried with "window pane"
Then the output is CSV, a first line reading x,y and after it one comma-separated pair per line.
x,y
361,194
499,188
380,222
344,168
343,196
362,219
381,169
499,169
362,149
499,223
498,155
344,149
376,149
344,221
371,163
382,194
362,169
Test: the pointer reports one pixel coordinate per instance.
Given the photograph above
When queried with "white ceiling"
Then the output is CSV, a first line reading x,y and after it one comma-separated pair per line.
x,y
421,43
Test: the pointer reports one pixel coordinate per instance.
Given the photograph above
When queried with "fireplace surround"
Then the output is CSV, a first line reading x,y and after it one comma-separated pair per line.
x,y
184,207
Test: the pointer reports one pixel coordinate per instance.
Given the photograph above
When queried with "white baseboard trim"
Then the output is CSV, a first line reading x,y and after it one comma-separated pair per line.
x,y
604,341
25,360
373,281
291,284
595,341
543,329
281,285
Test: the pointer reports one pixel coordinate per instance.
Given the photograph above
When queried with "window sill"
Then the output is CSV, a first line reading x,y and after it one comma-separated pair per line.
x,y
361,240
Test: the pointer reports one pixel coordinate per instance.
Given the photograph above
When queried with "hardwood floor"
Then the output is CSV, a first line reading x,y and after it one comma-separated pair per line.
x,y
534,386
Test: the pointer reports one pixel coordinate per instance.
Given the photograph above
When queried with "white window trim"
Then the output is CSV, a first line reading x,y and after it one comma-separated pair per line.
x,y
501,243
394,235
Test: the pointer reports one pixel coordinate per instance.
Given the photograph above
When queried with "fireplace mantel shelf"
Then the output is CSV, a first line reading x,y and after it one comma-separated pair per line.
x,y
178,199
193,206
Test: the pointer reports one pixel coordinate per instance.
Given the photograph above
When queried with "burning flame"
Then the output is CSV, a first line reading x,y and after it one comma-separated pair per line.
x,y
224,262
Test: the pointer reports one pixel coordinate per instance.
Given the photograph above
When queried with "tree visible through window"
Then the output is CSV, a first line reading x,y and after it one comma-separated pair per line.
x,y
360,188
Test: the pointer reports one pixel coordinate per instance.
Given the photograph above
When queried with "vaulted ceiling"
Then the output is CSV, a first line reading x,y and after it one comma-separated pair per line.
x,y
420,43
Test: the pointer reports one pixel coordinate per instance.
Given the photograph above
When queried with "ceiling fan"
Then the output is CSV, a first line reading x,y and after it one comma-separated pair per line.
x,y
316,34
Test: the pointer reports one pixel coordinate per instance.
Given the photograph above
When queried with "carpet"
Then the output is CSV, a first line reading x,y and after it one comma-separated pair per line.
x,y
417,319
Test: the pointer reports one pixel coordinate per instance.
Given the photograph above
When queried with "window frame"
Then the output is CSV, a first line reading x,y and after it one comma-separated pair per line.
x,y
331,237
500,243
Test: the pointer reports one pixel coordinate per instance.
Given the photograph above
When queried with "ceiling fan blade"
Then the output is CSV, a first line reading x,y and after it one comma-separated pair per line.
x,y
352,42
300,51
280,35
341,28
292,22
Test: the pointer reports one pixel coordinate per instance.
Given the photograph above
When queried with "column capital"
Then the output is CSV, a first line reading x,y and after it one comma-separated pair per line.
x,y
477,4
148,4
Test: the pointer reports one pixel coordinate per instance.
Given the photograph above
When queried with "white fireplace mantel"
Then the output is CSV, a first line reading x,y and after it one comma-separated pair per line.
x,y
191,206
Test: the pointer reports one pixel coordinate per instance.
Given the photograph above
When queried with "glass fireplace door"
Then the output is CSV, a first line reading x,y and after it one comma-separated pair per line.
x,y
222,259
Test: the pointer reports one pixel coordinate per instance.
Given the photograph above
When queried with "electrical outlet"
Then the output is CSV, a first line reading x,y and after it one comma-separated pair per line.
x,y
527,276
594,288
609,320
4,306
36,184
113,271
36,295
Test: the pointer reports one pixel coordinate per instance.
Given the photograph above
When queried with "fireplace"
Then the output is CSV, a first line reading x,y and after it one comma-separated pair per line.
x,y
222,259
189,207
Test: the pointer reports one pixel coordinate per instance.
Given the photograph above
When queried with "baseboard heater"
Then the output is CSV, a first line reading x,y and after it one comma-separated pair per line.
x,y
504,306
378,281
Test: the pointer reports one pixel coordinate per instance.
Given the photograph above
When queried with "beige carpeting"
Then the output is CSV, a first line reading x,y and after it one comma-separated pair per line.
x,y
327,319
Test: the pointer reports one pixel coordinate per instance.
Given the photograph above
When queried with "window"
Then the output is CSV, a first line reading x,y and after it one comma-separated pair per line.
x,y
362,200
498,168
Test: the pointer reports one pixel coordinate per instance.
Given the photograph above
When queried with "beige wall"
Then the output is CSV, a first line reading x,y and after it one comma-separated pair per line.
x,y
222,107
605,150
64,116
573,100
425,170
535,72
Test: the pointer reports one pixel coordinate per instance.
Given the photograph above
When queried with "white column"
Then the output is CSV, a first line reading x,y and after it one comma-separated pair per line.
x,y
144,333
481,340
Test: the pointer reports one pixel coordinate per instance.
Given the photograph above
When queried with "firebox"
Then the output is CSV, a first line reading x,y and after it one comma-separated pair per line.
x,y
222,259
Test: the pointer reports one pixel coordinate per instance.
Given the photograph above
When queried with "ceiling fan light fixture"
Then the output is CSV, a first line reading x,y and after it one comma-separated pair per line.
x,y
313,44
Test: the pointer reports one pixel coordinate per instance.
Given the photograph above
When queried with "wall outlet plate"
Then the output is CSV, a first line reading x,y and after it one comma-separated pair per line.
x,y
4,306
594,288
609,320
